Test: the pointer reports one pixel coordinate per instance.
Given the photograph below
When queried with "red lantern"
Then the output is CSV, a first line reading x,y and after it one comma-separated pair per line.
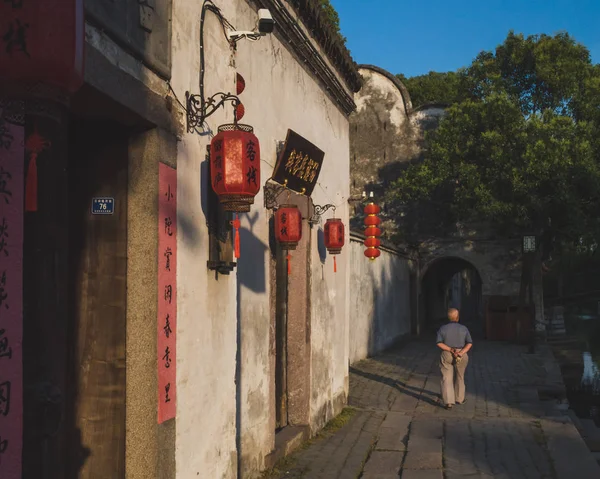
x,y
334,238
372,231
288,229
43,43
372,242
372,253
372,220
372,209
235,166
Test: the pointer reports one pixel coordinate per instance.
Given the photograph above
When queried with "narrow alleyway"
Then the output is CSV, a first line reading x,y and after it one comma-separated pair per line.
x,y
513,424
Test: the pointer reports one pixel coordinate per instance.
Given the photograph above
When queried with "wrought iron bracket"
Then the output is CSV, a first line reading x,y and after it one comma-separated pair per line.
x,y
272,191
318,212
198,111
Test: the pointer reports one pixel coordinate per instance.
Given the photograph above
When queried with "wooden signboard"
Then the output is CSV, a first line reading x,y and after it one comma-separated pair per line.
x,y
299,164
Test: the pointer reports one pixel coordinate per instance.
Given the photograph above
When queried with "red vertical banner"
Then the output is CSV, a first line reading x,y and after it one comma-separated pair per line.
x,y
42,41
167,291
12,159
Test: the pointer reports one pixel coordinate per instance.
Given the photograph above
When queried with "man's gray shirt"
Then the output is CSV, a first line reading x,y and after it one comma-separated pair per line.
x,y
454,335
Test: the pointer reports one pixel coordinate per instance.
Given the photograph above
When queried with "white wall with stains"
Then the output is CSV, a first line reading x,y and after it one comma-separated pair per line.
x,y
379,301
218,316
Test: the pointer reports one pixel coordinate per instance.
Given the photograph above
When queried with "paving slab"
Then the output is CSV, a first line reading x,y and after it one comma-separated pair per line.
x,y
384,462
392,439
423,474
568,450
401,430
422,460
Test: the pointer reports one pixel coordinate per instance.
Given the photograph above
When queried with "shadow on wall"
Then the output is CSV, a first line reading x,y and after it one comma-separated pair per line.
x,y
393,294
321,245
380,293
251,274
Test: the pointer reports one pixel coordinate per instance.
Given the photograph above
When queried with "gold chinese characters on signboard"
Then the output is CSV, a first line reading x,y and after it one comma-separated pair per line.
x,y
299,164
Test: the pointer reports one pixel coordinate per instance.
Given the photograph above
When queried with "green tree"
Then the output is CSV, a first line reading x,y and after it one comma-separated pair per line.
x,y
434,87
331,16
520,149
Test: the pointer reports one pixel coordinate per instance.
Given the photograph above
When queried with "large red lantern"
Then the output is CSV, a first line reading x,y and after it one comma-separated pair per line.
x,y
334,238
288,228
235,171
235,166
372,231
43,43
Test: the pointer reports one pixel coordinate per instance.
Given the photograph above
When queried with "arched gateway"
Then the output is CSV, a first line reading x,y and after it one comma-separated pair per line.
x,y
468,275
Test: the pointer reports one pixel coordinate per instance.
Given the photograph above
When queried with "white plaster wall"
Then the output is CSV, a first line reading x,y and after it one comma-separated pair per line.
x,y
417,117
379,301
329,290
207,320
279,94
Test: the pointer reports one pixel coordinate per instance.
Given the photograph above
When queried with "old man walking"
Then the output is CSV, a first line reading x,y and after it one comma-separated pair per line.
x,y
455,342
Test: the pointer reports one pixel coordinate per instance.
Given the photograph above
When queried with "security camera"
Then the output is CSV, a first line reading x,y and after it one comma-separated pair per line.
x,y
266,24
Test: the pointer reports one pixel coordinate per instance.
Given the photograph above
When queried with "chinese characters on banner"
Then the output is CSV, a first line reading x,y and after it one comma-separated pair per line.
x,y
42,41
167,291
11,298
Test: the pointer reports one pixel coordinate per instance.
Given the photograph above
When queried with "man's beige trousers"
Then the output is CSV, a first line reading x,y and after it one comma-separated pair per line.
x,y
453,378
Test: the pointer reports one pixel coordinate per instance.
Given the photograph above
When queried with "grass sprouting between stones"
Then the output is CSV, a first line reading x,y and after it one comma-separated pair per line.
x,y
288,462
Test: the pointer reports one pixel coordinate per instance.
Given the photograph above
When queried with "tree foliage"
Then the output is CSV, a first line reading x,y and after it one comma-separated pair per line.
x,y
332,17
519,149
434,87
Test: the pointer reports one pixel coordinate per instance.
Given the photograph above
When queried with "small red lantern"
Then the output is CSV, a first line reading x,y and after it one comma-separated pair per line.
x,y
288,228
372,231
372,209
372,242
372,253
235,166
334,238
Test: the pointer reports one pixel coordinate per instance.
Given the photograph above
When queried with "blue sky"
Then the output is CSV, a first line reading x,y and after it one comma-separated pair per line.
x,y
414,36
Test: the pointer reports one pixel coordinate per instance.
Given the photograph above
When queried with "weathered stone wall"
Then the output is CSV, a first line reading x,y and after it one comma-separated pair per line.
x,y
386,134
380,304
498,262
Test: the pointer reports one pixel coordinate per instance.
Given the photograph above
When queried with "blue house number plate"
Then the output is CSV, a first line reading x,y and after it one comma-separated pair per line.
x,y
103,206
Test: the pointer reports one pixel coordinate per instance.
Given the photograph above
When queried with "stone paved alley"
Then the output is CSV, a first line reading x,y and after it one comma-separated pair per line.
x,y
513,424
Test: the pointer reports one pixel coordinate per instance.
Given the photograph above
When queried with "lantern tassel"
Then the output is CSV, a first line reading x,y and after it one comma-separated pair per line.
x,y
289,261
31,186
334,265
236,242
